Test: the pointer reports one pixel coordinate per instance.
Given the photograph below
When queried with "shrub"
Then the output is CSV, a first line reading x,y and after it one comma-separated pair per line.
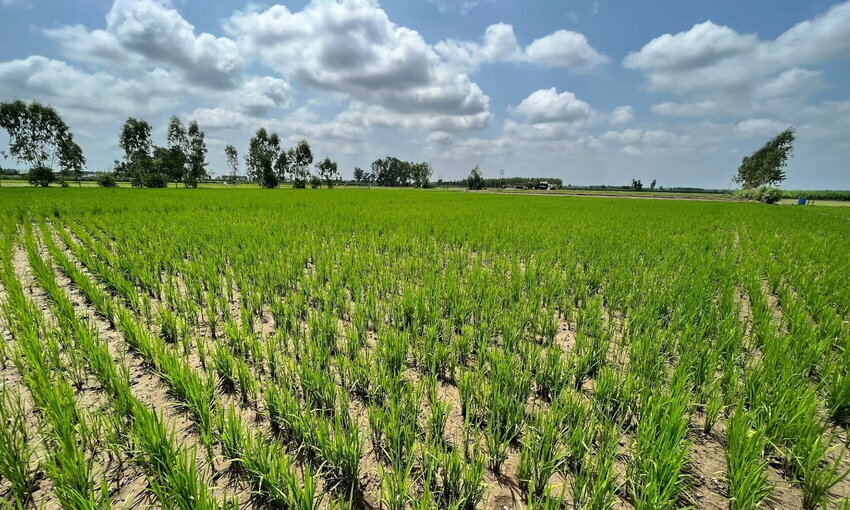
x,y
315,182
106,180
766,194
154,181
41,176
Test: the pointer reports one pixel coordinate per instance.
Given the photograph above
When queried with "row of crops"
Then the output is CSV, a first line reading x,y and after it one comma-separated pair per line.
x,y
416,349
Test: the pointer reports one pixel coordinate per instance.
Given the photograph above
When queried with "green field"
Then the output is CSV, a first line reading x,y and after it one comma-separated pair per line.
x,y
416,349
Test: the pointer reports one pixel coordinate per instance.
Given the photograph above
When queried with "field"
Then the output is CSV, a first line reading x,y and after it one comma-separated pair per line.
x,y
397,349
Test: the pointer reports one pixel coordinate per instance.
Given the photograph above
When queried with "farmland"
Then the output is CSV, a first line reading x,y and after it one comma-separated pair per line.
x,y
417,349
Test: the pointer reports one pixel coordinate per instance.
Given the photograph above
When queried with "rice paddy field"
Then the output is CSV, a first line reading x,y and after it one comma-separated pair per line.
x,y
301,349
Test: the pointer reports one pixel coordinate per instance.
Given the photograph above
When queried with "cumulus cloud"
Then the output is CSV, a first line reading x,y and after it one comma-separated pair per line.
x,y
139,32
360,114
563,48
351,46
55,82
655,138
760,127
499,45
547,105
567,49
738,73
622,115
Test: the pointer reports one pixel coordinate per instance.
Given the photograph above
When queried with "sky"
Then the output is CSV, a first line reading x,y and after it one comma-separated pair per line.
x,y
589,91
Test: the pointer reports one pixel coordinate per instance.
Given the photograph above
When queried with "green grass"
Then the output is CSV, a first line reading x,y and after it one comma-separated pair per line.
x,y
427,349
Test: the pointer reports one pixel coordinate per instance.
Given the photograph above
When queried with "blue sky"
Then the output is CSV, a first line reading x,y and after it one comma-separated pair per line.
x,y
593,92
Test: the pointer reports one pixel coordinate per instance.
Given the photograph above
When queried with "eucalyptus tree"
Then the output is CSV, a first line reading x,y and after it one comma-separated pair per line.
x,y
300,159
39,138
232,161
135,140
266,163
328,171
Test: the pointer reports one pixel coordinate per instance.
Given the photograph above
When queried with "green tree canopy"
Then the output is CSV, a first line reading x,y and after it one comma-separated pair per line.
x,y
39,138
475,179
766,166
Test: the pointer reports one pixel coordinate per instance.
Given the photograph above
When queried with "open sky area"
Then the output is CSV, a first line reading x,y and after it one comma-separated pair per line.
x,y
593,92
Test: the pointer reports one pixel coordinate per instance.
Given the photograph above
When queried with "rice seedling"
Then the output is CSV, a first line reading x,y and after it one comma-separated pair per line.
x,y
17,447
324,331
748,486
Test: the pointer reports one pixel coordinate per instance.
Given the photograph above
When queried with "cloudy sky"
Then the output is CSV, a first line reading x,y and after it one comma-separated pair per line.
x,y
594,92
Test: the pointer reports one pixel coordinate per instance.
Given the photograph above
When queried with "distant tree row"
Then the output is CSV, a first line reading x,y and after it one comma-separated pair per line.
x,y
268,163
391,171
183,159
40,139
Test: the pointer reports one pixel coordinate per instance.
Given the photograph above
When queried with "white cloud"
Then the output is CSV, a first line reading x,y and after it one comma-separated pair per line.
x,y
567,49
760,127
546,105
656,138
622,115
360,114
57,83
352,47
733,73
143,32
697,109
563,48
499,45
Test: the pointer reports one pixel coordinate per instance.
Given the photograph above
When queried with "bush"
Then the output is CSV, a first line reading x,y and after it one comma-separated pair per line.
x,y
771,195
315,182
41,176
154,181
766,194
106,180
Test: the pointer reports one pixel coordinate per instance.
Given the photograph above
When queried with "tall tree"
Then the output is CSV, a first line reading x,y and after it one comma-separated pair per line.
x,y
359,174
262,157
421,174
71,160
175,162
328,171
232,161
135,140
766,166
37,137
196,157
475,180
300,157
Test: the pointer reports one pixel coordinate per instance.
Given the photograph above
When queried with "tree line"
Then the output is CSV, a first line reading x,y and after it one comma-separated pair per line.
x,y
394,172
182,159
269,164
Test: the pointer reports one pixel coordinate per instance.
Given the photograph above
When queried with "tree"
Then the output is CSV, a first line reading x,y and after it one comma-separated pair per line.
x,y
41,176
232,161
766,166
300,157
174,162
652,184
475,181
37,137
421,174
71,160
196,167
263,154
135,140
359,174
637,185
328,171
